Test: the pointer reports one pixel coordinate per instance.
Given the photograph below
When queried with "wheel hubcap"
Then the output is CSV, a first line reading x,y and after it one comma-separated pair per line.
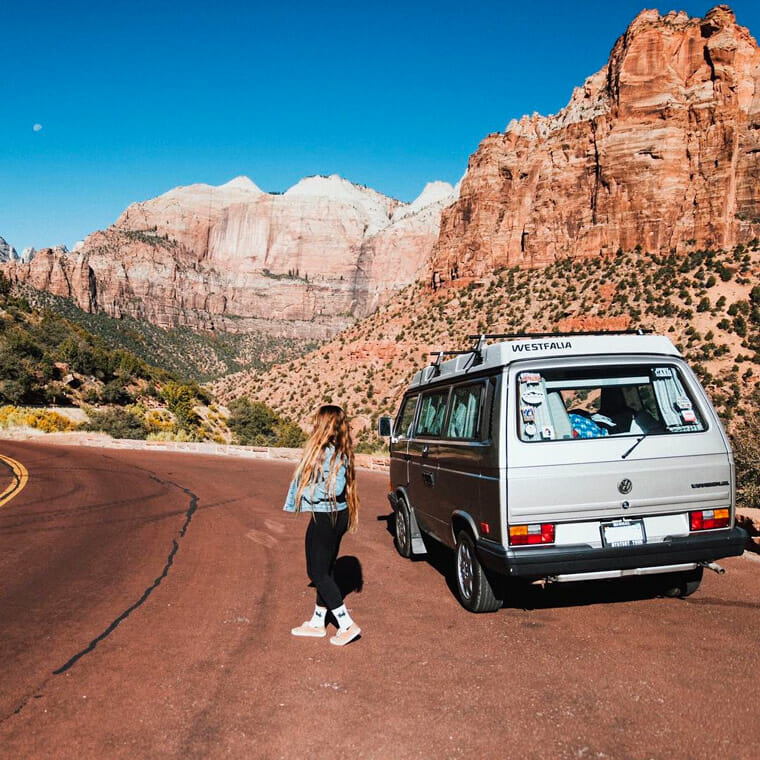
x,y
401,532
464,570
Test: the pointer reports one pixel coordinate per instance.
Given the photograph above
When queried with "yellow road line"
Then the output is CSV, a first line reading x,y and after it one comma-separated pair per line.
x,y
20,478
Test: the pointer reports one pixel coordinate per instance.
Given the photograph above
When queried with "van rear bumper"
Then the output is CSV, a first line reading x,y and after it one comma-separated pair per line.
x,y
543,561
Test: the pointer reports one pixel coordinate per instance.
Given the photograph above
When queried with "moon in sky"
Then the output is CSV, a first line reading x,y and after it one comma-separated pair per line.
x,y
37,127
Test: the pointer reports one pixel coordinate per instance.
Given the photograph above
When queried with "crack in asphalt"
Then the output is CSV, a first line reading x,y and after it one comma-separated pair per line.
x,y
193,506
148,591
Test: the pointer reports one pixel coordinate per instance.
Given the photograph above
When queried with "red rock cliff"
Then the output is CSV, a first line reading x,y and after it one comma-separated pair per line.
x,y
302,263
660,147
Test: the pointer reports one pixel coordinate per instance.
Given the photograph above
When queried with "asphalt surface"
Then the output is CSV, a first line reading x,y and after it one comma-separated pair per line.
x,y
146,601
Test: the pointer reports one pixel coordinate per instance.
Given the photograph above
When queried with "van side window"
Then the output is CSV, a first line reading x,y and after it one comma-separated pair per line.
x,y
403,428
432,413
465,412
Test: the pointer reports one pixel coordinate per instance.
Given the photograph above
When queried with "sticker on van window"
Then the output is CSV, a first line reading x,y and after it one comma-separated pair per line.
x,y
528,413
530,377
662,372
530,429
687,415
682,403
547,433
533,397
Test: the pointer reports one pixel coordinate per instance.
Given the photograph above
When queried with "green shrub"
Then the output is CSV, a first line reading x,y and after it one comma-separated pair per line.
x,y
253,423
181,400
118,423
115,393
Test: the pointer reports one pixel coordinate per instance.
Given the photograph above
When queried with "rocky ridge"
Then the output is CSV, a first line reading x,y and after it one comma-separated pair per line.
x,y
304,263
659,149
7,251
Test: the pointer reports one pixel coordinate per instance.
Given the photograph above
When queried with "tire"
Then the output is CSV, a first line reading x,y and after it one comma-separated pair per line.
x,y
474,590
403,530
685,584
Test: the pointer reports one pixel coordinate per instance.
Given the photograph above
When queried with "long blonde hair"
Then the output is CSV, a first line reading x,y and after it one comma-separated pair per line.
x,y
330,429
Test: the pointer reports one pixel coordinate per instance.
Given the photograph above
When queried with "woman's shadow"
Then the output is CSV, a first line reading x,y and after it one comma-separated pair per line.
x,y
348,575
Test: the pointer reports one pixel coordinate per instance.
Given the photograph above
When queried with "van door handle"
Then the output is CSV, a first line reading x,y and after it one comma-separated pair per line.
x,y
425,450
428,478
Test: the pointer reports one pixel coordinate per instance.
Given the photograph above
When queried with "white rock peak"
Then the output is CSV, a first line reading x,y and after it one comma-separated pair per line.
x,y
7,251
333,187
242,183
436,194
375,207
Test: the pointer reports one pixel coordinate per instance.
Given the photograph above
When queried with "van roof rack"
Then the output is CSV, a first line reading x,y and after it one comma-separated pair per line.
x,y
480,339
483,337
439,358
550,334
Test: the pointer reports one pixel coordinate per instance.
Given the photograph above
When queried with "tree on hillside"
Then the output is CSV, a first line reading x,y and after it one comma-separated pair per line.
x,y
181,400
255,424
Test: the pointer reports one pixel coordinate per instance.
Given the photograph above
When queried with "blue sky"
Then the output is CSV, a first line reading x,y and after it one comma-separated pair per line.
x,y
135,98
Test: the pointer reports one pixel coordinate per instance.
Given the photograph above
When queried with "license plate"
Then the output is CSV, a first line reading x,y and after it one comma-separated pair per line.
x,y
623,533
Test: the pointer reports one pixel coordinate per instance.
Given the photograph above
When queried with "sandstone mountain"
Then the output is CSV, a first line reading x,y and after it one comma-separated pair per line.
x,y
7,251
658,149
303,263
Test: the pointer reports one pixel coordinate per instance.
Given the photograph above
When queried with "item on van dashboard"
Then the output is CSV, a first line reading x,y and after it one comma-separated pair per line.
x,y
495,461
587,427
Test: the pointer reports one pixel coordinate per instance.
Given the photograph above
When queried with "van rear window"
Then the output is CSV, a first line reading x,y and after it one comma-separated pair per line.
x,y
580,403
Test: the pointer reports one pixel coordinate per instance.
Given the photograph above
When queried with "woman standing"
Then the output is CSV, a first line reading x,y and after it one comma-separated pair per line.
x,y
324,485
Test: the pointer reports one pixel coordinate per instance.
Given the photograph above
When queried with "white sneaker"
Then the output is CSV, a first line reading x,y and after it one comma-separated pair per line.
x,y
342,638
306,629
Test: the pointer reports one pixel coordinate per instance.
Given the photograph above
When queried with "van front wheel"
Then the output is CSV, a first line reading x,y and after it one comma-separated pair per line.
x,y
473,587
403,529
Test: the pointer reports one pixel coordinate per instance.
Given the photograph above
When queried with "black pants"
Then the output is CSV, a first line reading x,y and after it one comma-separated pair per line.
x,y
322,543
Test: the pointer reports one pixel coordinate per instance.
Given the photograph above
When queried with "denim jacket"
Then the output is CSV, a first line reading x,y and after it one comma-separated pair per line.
x,y
318,500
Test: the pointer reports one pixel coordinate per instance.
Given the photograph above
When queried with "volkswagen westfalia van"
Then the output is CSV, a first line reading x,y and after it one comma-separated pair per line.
x,y
563,458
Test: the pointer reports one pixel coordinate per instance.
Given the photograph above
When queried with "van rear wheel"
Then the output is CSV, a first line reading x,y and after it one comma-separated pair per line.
x,y
683,584
403,529
474,590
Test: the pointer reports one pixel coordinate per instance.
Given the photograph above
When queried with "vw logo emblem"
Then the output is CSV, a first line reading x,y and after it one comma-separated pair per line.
x,y
625,486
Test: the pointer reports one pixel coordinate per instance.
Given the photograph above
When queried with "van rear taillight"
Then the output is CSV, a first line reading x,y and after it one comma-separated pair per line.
x,y
521,535
708,519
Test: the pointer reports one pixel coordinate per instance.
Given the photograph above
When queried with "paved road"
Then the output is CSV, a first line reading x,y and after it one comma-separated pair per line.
x,y
145,607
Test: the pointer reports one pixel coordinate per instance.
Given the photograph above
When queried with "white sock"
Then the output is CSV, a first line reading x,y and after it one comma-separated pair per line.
x,y
343,618
318,618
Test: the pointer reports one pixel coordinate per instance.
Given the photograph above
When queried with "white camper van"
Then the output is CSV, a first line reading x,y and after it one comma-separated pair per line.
x,y
562,458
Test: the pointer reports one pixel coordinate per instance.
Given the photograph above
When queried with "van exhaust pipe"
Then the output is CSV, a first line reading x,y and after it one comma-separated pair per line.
x,y
714,566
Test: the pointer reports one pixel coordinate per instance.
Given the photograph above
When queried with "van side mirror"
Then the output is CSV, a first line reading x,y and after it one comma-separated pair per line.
x,y
384,426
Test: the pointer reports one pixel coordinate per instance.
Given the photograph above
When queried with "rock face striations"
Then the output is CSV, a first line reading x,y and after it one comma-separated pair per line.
x,y
303,263
660,147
